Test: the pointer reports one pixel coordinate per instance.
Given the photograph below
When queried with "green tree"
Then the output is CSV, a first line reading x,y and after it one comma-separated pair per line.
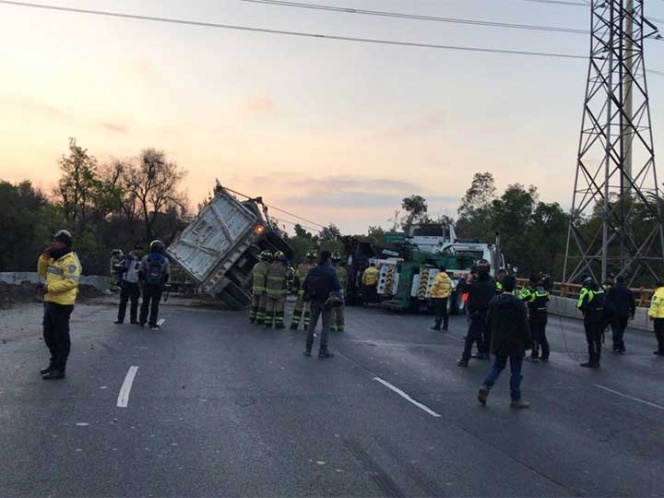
x,y
416,208
475,213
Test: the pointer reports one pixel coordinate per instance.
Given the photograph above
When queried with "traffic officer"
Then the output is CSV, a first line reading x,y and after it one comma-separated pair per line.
x,y
500,275
154,272
129,286
656,314
441,290
536,296
338,312
591,303
116,258
61,269
275,292
300,305
370,282
257,312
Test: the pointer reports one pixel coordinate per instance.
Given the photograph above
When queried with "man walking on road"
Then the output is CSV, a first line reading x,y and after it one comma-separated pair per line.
x,y
621,306
154,272
656,314
61,268
320,287
129,287
510,339
480,294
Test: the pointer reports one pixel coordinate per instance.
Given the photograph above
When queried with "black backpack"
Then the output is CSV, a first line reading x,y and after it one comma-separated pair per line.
x,y
318,285
155,272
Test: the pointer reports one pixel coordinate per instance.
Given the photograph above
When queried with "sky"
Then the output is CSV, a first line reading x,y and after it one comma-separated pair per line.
x,y
333,131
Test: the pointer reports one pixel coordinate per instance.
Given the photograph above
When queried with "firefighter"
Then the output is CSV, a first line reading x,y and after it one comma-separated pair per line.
x,y
116,258
591,303
656,314
130,289
300,306
370,283
536,296
61,269
275,292
338,316
258,287
441,290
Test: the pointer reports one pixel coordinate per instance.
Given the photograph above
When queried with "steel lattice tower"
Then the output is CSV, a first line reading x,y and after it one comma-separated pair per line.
x,y
616,179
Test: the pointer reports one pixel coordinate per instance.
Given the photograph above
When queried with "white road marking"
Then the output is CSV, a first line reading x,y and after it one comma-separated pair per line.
x,y
407,397
653,405
123,397
160,322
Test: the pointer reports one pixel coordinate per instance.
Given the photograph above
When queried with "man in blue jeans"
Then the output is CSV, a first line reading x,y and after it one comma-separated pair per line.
x,y
510,338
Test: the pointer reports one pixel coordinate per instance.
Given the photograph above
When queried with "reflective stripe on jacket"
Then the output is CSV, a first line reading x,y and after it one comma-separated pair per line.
x,y
62,277
258,277
275,278
657,304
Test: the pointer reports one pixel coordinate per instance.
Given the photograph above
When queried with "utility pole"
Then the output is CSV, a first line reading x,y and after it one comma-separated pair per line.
x,y
616,179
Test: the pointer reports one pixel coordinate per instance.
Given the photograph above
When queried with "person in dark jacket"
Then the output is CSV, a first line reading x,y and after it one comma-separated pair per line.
x,y
480,294
321,289
510,339
591,304
621,306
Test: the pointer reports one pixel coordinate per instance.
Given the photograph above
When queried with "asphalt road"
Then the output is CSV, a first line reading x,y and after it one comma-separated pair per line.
x,y
219,407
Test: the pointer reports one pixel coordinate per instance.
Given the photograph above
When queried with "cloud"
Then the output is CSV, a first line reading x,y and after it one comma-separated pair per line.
x,y
259,105
114,127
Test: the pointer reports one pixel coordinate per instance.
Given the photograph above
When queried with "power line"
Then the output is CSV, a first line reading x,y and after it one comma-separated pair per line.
x,y
398,15
658,73
559,2
293,33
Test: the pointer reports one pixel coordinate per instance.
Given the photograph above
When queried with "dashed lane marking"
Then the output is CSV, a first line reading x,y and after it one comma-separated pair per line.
x,y
407,397
648,403
123,397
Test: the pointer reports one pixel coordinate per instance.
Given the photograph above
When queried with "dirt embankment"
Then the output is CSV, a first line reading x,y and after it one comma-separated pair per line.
x,y
11,295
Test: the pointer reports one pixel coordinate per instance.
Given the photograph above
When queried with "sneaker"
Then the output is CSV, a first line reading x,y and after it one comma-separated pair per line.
x,y
117,322
483,394
434,328
54,375
325,354
154,327
307,352
462,363
46,370
590,364
445,329
519,403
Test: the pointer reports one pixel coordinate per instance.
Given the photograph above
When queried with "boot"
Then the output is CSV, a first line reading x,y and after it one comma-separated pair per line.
x,y
519,403
324,353
590,364
435,327
46,370
307,350
462,363
483,394
54,375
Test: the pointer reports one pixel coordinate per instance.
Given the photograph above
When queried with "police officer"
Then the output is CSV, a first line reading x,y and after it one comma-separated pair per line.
x,y
116,258
60,266
338,312
154,272
480,294
536,296
275,292
656,314
591,303
370,282
500,275
300,305
257,313
129,287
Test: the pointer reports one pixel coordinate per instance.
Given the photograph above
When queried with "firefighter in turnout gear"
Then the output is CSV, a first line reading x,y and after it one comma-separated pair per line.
x,y
300,306
257,313
536,297
591,303
61,269
338,316
275,292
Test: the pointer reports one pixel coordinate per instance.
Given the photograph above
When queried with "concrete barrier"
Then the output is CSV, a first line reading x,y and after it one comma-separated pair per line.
x,y
563,306
17,278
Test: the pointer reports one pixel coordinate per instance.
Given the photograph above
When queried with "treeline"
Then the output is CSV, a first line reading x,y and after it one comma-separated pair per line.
x,y
105,206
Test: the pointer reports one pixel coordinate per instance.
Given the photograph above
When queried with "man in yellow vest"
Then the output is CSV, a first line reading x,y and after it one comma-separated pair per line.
x,y
656,314
300,306
61,269
440,293
275,292
338,316
370,283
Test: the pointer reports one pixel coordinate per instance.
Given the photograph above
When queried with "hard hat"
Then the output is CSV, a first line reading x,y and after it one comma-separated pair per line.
x,y
311,255
279,256
336,257
157,245
62,236
266,255
116,252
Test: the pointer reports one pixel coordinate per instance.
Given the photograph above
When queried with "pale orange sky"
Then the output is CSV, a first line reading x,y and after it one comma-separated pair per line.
x,y
334,131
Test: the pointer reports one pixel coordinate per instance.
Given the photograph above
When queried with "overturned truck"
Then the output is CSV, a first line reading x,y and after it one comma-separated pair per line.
x,y
220,247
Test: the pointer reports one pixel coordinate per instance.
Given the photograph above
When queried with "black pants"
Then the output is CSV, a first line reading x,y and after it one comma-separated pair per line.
x,y
56,333
594,339
618,326
537,322
370,294
129,292
151,299
659,333
478,332
440,309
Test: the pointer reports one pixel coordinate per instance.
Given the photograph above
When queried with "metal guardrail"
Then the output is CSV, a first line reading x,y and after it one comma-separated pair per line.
x,y
572,291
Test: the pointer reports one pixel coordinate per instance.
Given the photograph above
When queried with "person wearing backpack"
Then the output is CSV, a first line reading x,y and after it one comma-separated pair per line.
x,y
154,273
321,287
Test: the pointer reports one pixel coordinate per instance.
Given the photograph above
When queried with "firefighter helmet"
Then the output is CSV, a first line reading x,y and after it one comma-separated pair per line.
x,y
266,255
279,256
311,255
157,246
116,252
336,257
